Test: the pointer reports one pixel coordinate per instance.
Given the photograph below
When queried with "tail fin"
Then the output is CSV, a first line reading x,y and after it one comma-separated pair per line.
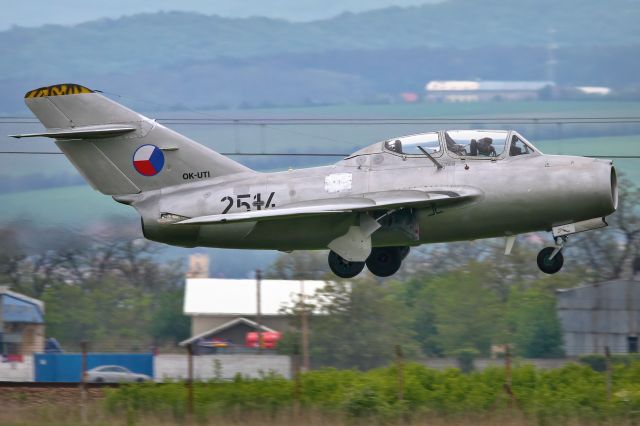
x,y
118,150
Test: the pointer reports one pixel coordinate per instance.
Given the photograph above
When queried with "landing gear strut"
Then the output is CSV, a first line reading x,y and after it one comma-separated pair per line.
x,y
385,261
342,267
550,259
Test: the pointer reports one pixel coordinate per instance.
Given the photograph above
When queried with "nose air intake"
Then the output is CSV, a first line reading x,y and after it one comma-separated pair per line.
x,y
614,188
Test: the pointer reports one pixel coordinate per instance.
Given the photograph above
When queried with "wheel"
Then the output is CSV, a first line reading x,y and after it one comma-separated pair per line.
x,y
99,380
404,252
343,268
547,265
385,261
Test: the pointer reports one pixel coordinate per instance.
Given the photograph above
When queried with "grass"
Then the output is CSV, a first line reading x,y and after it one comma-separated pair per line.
x,y
74,206
81,205
327,138
572,395
57,415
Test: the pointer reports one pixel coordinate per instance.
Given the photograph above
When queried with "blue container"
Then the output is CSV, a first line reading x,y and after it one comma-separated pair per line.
x,y
68,367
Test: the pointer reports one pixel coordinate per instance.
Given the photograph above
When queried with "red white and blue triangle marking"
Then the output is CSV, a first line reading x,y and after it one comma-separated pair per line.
x,y
148,160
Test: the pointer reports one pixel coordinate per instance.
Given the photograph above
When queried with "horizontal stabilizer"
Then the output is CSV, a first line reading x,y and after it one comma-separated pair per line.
x,y
86,132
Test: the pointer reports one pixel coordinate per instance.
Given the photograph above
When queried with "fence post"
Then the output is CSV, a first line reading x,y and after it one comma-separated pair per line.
x,y
83,384
400,372
297,385
607,354
507,374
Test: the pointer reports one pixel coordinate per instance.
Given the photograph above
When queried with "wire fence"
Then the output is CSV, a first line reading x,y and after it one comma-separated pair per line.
x,y
623,125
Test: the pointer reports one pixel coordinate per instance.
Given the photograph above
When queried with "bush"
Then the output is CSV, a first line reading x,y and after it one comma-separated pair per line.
x,y
599,362
466,358
546,396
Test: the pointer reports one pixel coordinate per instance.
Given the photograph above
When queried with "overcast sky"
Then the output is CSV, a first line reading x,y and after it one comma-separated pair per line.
x,y
30,13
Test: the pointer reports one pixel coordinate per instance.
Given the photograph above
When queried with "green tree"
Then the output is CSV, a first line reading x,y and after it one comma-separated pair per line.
x,y
359,325
536,328
168,322
467,313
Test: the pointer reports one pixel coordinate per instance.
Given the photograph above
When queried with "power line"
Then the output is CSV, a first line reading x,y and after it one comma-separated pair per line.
x,y
290,154
270,121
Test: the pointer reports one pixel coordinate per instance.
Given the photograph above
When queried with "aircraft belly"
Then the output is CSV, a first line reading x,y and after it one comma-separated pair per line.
x,y
311,233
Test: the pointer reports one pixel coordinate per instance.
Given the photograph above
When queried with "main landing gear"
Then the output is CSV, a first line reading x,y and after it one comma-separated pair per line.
x,y
550,259
383,262
342,267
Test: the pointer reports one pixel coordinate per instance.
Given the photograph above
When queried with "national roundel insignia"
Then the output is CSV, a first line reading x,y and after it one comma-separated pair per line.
x,y
148,160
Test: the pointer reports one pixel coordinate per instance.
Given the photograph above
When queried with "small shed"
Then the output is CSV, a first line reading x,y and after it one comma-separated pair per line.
x,y
226,309
21,324
602,315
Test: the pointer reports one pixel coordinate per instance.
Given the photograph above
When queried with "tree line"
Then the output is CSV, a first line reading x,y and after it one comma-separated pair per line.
x,y
457,298
117,291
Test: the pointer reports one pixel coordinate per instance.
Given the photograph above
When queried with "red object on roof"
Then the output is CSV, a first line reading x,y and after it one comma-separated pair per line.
x,y
269,339
13,358
409,97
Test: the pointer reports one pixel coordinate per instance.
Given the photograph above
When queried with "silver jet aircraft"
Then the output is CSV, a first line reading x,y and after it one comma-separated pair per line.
x,y
368,209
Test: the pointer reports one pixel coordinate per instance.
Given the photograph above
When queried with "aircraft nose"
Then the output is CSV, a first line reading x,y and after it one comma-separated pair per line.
x,y
605,186
591,187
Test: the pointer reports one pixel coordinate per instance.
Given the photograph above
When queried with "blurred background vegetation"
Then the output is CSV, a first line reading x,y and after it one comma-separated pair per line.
x,y
64,243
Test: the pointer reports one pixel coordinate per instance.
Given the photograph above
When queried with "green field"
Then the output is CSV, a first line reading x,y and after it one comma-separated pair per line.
x,y
73,207
81,205
339,138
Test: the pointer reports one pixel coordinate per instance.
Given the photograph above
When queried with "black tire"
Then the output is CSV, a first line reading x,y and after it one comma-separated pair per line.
x,y
404,252
99,380
139,380
343,268
547,265
385,261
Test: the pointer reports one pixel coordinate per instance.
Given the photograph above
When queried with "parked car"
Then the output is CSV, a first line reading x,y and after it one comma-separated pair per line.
x,y
114,374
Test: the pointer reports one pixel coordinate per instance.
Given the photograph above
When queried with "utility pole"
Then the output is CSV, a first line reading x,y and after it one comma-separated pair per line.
x,y
259,309
304,325
190,381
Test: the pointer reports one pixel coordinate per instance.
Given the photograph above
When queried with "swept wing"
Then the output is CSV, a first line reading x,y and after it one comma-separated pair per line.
x,y
387,200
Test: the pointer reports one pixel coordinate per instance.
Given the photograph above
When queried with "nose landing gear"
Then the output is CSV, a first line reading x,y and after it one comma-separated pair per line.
x,y
550,259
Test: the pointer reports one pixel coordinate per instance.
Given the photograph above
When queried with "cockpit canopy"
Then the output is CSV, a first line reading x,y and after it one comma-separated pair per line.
x,y
411,144
469,144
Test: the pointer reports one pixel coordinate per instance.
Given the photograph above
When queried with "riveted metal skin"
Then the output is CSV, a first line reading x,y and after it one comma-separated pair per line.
x,y
377,197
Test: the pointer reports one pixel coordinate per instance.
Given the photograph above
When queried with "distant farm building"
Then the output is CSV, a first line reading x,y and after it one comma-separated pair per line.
x,y
598,316
223,311
21,324
482,91
594,90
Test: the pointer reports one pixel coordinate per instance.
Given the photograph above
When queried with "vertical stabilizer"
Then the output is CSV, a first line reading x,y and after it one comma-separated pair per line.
x,y
118,150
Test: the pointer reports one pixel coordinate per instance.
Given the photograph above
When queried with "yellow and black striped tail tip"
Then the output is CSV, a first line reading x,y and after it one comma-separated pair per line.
x,y
57,90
